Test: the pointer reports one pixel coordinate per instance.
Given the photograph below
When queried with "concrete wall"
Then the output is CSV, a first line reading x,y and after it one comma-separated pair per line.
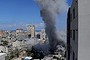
x,y
81,23
74,26
84,30
2,56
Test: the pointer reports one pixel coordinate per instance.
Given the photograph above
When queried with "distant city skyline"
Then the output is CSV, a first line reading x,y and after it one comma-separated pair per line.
x,y
19,13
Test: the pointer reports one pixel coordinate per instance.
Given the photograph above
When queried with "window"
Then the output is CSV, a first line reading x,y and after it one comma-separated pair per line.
x,y
73,34
71,17
73,13
70,48
76,1
76,58
38,36
73,55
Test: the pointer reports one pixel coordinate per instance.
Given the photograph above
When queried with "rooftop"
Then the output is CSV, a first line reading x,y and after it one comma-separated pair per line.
x,y
2,54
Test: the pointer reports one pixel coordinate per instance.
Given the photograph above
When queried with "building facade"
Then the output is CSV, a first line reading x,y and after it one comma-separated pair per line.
x,y
43,34
31,31
78,26
2,56
19,30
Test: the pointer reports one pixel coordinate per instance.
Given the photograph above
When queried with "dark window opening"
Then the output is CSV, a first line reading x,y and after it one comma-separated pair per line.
x,y
71,17
76,58
76,1
73,13
29,36
73,55
73,34
38,36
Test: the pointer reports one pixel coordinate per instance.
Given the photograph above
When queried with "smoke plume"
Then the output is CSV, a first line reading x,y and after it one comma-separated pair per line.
x,y
49,10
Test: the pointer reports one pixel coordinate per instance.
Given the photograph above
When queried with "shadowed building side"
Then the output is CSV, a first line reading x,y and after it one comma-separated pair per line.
x,y
72,32
68,35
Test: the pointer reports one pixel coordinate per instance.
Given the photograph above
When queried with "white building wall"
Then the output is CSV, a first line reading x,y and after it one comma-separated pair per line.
x,y
16,44
2,56
84,30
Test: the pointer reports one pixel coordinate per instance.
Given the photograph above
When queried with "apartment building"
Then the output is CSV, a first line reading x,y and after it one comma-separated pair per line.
x,y
78,30
31,30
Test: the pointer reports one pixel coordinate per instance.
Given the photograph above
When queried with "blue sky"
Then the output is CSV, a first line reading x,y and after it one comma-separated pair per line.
x,y
14,13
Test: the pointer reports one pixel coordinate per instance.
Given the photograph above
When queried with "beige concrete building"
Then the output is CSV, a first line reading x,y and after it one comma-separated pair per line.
x,y
19,30
31,31
43,34
79,32
16,44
